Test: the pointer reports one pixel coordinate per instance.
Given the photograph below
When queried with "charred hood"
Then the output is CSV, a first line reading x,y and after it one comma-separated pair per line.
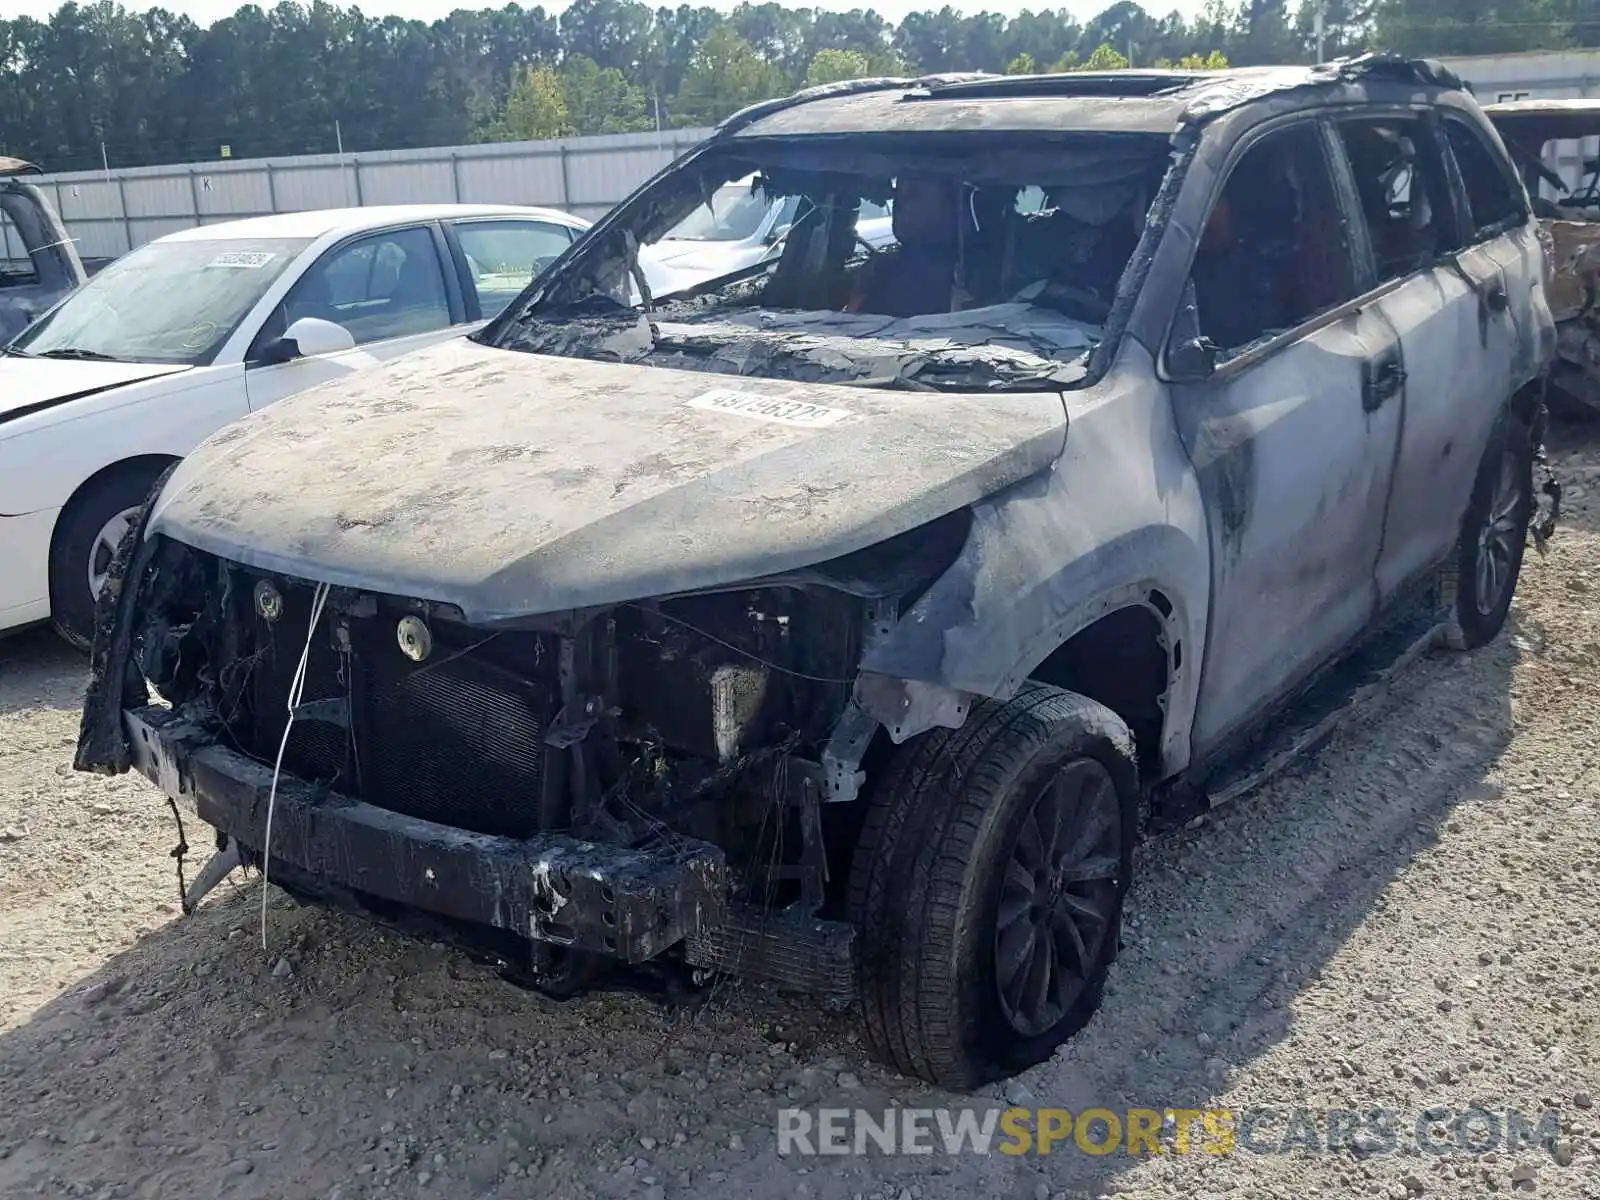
x,y
510,484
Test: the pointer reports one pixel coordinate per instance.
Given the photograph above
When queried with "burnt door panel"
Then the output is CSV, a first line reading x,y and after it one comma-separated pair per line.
x,y
1295,453
1458,329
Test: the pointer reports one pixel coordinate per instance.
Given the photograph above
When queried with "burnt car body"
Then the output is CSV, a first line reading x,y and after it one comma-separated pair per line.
x,y
48,267
1570,216
852,649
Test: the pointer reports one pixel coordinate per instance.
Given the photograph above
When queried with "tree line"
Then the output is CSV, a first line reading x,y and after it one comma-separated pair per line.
x,y
103,83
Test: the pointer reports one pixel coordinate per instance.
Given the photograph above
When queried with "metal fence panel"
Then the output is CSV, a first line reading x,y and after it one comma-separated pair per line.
x,y
314,185
111,212
524,179
227,194
407,182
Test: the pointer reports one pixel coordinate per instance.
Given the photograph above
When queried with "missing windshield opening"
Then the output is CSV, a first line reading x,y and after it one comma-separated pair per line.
x,y
907,262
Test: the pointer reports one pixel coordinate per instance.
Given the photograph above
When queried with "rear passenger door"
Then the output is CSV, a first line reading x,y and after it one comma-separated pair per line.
x,y
1292,434
1444,291
501,257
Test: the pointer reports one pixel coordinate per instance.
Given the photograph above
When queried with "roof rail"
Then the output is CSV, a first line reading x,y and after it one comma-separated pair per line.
x,y
845,87
1072,83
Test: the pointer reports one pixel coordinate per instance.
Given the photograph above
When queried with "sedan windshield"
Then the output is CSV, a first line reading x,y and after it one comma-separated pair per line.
x,y
167,302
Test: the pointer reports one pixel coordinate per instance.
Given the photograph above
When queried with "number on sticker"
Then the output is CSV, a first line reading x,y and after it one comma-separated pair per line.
x,y
249,260
770,408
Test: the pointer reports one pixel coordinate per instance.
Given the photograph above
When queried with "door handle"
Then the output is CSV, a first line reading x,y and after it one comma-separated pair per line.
x,y
1496,298
1383,378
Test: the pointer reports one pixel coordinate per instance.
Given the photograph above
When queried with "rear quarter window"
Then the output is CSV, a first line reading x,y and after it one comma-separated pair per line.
x,y
1493,200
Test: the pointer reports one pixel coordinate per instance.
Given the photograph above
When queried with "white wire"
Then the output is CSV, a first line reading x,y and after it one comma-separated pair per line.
x,y
296,686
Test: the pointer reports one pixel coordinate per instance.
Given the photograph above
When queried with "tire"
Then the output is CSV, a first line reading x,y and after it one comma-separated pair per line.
x,y
1481,578
941,859
80,542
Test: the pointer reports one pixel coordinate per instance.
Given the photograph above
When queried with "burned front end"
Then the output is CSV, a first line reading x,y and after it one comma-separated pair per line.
x,y
564,793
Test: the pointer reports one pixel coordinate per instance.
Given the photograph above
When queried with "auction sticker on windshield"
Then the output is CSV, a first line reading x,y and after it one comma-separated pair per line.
x,y
769,408
249,260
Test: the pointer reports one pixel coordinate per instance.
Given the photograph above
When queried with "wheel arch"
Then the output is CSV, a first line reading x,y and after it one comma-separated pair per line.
x,y
1151,585
1130,658
154,463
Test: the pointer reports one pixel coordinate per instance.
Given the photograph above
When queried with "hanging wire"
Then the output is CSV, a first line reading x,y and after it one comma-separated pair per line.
x,y
296,687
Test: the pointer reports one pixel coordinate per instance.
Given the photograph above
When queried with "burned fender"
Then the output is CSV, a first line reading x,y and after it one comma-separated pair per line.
x,y
1031,574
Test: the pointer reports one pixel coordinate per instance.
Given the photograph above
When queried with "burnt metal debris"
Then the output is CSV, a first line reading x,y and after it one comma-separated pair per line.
x,y
1015,346
1571,227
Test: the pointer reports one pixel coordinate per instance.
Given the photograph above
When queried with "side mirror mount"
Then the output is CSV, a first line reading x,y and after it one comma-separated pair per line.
x,y
1193,360
309,337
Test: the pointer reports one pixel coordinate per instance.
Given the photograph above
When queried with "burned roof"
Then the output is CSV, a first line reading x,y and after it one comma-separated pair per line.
x,y
1131,101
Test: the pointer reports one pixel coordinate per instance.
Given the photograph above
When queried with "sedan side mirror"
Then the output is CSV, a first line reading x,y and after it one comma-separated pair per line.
x,y
309,337
1193,360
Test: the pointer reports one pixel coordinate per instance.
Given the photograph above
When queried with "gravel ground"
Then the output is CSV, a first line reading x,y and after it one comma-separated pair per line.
x,y
1405,922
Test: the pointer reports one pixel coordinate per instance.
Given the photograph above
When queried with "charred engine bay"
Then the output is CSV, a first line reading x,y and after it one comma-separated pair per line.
x,y
1017,346
696,717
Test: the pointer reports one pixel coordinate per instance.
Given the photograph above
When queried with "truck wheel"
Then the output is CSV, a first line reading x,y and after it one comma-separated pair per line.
x,y
1481,578
987,885
86,540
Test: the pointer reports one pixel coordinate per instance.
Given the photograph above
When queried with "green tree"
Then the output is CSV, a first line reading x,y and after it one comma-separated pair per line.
x,y
831,66
1022,64
725,75
278,78
601,101
1436,27
1104,58
536,109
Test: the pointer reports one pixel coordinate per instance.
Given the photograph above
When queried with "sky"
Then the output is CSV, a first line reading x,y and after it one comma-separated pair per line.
x,y
206,11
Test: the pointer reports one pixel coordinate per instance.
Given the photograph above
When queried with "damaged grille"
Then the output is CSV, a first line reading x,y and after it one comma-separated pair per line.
x,y
461,743
457,739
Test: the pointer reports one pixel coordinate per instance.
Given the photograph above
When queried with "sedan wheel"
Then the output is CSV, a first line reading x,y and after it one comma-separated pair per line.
x,y
87,536
104,548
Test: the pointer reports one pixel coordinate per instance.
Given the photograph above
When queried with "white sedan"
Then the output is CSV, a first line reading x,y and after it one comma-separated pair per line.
x,y
738,227
194,330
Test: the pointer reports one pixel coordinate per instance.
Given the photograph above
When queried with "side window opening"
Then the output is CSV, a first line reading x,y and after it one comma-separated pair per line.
x,y
1491,200
503,257
1404,195
383,286
1273,253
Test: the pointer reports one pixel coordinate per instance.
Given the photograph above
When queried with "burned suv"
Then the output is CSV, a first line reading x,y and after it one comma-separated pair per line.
x,y
843,621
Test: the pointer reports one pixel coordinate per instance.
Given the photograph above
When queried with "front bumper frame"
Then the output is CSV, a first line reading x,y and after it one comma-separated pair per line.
x,y
628,904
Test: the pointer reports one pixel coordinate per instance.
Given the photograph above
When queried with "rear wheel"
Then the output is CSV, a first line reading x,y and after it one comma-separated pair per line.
x,y
86,540
1482,578
988,884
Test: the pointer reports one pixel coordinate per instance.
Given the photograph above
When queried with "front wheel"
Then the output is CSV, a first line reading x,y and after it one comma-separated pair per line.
x,y
86,540
988,883
1482,578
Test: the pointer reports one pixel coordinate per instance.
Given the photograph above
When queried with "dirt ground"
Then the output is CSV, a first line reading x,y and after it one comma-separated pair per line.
x,y
1406,923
